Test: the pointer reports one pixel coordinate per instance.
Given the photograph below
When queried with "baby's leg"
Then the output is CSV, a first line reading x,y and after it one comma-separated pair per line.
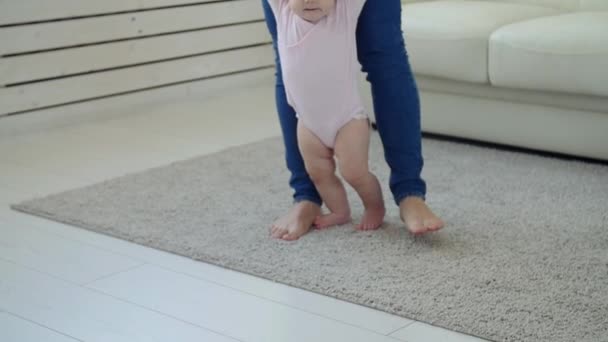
x,y
352,146
321,168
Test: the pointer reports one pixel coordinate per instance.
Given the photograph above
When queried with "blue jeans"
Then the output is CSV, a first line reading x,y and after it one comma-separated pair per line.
x,y
382,54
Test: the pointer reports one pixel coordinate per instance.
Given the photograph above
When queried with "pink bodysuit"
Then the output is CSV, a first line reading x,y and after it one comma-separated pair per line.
x,y
320,67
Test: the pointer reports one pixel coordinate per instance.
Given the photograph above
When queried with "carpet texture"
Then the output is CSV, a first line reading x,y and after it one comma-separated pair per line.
x,y
524,256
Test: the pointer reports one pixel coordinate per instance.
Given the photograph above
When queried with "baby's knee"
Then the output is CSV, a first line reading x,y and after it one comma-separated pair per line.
x,y
319,172
354,175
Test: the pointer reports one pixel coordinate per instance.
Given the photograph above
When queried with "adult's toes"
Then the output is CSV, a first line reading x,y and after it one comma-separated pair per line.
x,y
290,236
278,232
434,224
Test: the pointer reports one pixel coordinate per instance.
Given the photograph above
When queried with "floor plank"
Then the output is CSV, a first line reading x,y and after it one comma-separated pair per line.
x,y
242,316
88,315
15,329
57,256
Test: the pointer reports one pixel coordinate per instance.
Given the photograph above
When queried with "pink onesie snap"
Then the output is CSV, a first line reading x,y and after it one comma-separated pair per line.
x,y
320,67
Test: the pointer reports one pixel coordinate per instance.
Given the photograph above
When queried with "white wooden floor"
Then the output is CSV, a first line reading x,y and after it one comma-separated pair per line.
x,y
59,283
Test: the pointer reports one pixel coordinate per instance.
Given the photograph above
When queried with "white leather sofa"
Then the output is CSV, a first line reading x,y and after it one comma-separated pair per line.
x,y
526,73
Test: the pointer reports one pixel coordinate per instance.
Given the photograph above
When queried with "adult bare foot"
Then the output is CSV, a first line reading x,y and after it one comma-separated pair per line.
x,y
418,217
296,222
372,218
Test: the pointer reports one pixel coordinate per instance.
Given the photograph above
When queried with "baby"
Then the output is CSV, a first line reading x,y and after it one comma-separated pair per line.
x,y
317,48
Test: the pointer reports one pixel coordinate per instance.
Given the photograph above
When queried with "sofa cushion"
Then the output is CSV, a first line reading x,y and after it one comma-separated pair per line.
x,y
565,53
594,5
449,39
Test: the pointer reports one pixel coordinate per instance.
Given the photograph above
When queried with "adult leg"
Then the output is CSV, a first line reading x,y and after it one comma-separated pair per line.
x,y
382,54
306,198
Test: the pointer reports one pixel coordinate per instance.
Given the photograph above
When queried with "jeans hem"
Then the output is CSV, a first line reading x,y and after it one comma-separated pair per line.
x,y
312,199
403,196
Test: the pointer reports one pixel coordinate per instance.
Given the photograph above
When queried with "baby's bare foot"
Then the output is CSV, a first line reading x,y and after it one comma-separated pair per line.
x,y
418,217
296,222
332,219
372,218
